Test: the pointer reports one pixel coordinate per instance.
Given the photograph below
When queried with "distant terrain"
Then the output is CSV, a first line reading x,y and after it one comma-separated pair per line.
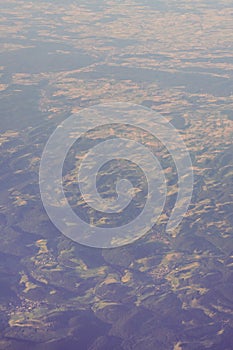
x,y
163,292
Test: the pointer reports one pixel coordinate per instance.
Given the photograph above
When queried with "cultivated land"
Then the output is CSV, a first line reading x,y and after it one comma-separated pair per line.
x,y
164,291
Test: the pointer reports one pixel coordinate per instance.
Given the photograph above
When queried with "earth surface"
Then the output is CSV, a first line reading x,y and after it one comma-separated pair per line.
x,y
164,291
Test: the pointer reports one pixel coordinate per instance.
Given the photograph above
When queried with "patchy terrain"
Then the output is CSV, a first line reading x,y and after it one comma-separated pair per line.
x,y
164,291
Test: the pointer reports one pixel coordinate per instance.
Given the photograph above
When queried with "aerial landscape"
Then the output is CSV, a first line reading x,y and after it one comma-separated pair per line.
x,y
164,290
